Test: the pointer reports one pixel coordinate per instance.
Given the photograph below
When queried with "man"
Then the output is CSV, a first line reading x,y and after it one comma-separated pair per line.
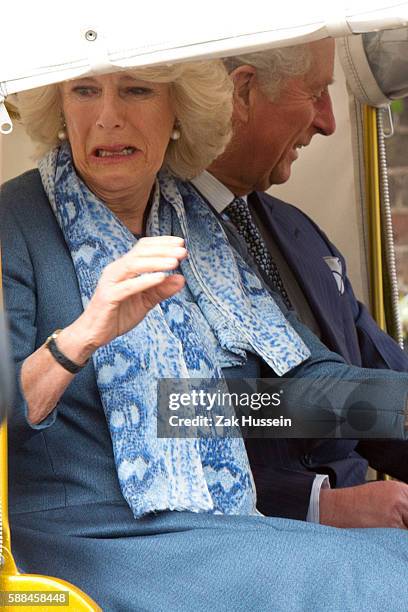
x,y
281,101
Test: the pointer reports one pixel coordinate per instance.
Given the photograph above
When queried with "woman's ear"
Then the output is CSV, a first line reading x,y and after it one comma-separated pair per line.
x,y
244,81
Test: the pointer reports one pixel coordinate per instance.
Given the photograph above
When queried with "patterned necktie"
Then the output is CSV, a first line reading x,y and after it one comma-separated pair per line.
x,y
240,215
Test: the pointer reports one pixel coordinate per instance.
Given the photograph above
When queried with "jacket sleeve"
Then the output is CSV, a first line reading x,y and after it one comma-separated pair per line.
x,y
283,485
283,492
19,290
362,402
378,349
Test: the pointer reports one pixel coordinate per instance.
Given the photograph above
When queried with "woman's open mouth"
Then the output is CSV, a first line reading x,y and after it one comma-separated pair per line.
x,y
114,153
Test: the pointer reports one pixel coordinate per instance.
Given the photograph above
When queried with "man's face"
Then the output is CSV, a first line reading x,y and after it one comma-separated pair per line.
x,y
278,129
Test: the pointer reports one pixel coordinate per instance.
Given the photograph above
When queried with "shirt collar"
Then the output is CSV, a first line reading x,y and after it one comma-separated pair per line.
x,y
217,194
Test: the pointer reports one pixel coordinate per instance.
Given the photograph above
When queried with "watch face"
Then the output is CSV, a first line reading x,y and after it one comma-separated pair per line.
x,y
53,336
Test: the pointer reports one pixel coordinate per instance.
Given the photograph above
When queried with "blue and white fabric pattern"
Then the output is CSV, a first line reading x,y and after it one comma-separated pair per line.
x,y
222,312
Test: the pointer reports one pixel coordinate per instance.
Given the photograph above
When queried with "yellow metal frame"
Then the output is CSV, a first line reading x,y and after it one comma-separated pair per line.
x,y
10,578
373,203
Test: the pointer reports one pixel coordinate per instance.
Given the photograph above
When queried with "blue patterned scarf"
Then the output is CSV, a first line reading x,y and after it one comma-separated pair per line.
x,y
222,313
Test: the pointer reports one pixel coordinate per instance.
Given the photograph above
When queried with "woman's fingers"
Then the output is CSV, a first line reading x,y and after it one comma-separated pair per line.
x,y
151,264
126,269
159,246
154,257
156,287
170,286
158,250
155,245
133,284
171,240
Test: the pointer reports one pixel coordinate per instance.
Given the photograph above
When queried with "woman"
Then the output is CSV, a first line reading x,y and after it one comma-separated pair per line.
x,y
96,498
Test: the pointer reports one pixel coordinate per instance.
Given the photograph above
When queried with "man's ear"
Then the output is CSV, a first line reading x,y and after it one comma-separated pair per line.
x,y
244,79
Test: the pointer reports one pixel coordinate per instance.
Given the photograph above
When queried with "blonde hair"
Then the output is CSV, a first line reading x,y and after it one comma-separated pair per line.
x,y
202,96
274,66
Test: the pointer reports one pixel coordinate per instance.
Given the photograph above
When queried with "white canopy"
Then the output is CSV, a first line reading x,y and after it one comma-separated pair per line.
x,y
51,42
48,42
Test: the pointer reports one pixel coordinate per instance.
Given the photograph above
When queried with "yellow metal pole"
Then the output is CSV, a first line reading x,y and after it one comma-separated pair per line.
x,y
8,566
8,561
374,214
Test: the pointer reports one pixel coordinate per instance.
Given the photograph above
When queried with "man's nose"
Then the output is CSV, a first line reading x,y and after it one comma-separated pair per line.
x,y
325,122
110,111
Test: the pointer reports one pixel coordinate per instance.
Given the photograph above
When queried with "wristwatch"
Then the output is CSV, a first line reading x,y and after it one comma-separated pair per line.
x,y
62,359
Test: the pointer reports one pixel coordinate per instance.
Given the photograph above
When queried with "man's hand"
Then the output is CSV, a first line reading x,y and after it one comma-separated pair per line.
x,y
375,504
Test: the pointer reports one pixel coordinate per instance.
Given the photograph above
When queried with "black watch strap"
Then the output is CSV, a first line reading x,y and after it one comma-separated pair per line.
x,y
62,359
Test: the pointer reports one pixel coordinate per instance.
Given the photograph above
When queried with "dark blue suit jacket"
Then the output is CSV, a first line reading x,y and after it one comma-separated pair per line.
x,y
284,470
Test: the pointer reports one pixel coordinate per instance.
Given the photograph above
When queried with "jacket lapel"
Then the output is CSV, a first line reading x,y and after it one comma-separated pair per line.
x,y
307,263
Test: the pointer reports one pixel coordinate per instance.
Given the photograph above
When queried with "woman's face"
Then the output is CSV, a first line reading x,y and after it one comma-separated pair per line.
x,y
119,128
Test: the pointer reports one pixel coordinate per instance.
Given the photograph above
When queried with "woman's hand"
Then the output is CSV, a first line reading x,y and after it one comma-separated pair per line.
x,y
123,297
128,288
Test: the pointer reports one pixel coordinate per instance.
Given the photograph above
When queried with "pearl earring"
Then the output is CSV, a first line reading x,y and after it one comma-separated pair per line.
x,y
175,135
62,135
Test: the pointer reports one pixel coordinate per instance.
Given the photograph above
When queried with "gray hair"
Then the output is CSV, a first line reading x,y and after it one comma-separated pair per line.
x,y
274,66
